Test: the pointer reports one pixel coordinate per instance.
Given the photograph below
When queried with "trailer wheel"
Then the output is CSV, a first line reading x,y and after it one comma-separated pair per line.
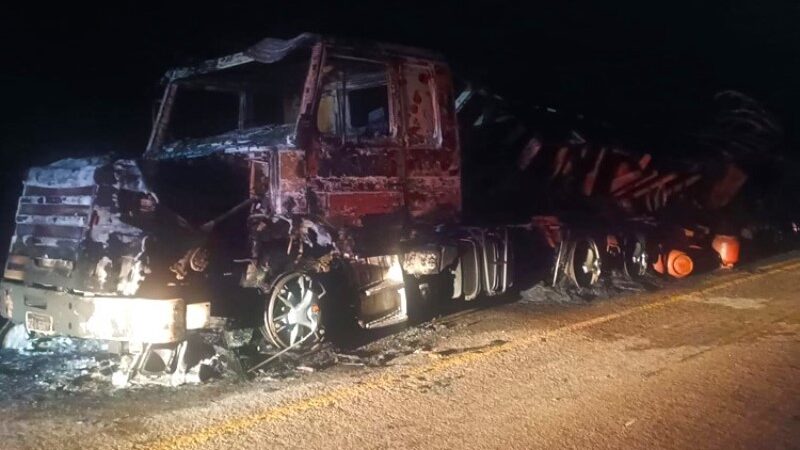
x,y
635,258
583,265
293,313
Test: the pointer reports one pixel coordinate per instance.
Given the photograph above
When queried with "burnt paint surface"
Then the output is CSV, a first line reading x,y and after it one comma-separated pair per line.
x,y
415,170
432,165
84,225
76,226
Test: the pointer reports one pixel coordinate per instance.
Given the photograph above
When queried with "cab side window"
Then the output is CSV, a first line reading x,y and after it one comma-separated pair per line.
x,y
355,100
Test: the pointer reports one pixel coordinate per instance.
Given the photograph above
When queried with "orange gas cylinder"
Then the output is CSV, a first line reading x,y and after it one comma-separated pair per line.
x,y
679,264
728,249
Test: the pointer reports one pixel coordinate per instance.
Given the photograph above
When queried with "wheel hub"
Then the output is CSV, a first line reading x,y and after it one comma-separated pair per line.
x,y
293,313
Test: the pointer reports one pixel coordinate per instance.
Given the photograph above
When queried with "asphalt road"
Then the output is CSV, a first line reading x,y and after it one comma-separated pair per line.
x,y
710,363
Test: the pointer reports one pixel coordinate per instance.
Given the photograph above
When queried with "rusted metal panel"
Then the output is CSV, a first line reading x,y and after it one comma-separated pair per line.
x,y
432,162
356,184
349,207
292,165
433,169
352,161
291,182
329,195
434,199
419,90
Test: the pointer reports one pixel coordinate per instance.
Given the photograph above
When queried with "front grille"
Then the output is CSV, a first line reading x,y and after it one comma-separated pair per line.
x,y
51,222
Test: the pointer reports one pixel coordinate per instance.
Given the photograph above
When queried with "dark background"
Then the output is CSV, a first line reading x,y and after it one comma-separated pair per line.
x,y
82,80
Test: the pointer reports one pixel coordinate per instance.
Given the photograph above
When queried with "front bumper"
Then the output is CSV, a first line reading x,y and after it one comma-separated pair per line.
x,y
126,319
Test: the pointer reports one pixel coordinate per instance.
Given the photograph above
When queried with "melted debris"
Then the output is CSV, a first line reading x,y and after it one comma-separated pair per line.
x,y
33,366
607,287
36,366
236,141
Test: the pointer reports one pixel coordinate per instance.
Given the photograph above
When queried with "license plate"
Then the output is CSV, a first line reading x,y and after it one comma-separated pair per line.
x,y
39,323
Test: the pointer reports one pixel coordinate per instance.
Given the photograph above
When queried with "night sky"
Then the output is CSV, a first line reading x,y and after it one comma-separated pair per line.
x,y
80,80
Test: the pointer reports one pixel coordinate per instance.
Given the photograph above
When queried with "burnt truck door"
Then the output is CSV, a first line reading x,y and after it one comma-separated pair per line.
x,y
432,160
386,152
387,140
358,169
357,182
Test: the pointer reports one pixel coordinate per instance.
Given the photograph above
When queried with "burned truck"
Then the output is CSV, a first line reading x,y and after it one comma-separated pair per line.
x,y
307,183
320,177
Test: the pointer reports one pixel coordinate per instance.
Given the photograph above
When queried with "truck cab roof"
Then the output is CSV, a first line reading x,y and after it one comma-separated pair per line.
x,y
271,50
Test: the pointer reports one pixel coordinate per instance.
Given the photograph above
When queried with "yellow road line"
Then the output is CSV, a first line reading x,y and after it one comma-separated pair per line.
x,y
388,379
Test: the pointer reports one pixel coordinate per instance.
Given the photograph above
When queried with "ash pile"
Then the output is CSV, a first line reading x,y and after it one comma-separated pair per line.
x,y
32,366
36,365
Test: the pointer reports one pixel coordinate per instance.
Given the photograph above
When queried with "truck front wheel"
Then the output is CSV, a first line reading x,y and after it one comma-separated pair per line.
x,y
293,313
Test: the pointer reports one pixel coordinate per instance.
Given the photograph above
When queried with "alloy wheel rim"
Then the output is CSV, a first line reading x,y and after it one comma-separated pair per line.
x,y
293,314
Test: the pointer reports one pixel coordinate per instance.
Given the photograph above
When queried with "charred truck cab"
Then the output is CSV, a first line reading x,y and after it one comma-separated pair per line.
x,y
318,176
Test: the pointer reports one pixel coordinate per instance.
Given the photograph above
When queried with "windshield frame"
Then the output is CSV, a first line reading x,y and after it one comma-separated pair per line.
x,y
157,142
